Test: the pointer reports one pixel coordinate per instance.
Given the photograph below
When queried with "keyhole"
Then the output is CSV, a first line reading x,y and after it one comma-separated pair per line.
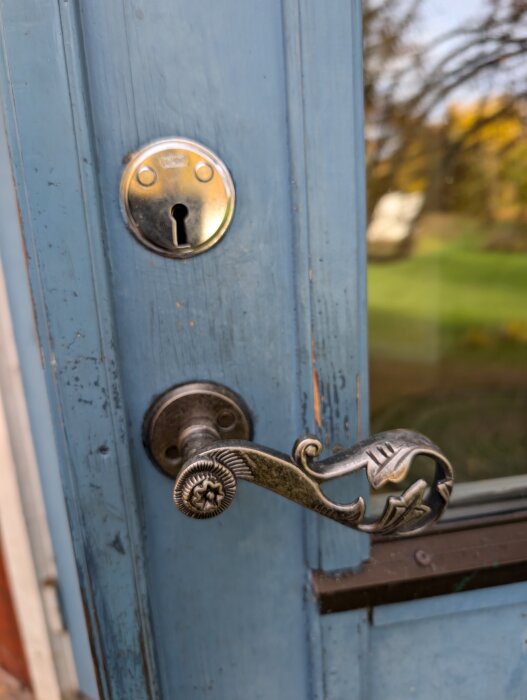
x,y
179,213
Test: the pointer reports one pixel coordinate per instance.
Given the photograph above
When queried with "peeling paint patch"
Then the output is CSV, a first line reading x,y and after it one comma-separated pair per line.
x,y
117,544
317,405
358,398
316,399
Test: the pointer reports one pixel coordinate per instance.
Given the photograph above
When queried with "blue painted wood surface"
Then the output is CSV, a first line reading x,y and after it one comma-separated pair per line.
x,y
87,83
54,175
323,65
463,646
14,269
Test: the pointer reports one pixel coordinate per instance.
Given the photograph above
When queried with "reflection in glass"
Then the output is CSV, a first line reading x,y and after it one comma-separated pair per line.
x,y
446,127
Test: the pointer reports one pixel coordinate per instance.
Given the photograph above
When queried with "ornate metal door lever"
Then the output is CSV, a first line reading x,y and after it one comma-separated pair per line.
x,y
198,433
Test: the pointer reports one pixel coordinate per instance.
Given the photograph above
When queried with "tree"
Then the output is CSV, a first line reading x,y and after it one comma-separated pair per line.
x,y
409,83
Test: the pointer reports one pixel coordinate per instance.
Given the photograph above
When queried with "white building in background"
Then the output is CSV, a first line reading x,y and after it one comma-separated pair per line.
x,y
392,223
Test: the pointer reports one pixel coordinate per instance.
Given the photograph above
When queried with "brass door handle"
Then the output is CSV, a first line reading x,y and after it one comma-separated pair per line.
x,y
198,433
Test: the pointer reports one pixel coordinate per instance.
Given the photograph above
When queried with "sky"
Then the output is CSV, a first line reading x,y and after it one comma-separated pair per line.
x,y
440,16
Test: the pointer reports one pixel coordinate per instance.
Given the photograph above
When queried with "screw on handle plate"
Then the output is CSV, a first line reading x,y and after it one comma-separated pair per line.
x,y
205,484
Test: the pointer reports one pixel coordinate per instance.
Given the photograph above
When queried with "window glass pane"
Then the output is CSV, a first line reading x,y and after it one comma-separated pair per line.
x,y
446,126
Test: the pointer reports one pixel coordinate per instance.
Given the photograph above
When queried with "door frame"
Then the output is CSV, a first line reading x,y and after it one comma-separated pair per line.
x,y
31,574
96,569
41,566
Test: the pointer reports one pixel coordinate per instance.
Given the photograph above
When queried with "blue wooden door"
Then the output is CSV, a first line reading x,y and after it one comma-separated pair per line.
x,y
223,608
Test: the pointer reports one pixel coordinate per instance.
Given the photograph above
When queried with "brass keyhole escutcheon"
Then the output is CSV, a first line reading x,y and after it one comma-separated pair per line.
x,y
177,197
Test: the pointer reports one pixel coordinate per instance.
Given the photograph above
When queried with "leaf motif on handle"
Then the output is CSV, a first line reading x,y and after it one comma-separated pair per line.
x,y
402,511
387,463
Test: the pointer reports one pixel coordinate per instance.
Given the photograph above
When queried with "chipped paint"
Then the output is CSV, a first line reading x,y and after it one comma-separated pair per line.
x,y
358,399
317,407
316,399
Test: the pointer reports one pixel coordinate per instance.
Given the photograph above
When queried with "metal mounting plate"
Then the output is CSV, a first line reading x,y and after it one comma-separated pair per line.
x,y
185,418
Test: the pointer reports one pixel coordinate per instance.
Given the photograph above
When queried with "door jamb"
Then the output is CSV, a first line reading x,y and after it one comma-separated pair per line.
x,y
25,536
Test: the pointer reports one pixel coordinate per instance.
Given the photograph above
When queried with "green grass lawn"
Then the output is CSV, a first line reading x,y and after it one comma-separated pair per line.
x,y
448,346
450,298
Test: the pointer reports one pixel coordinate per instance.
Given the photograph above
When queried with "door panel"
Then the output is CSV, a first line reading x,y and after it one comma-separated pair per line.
x,y
218,594
231,316
276,312
458,646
